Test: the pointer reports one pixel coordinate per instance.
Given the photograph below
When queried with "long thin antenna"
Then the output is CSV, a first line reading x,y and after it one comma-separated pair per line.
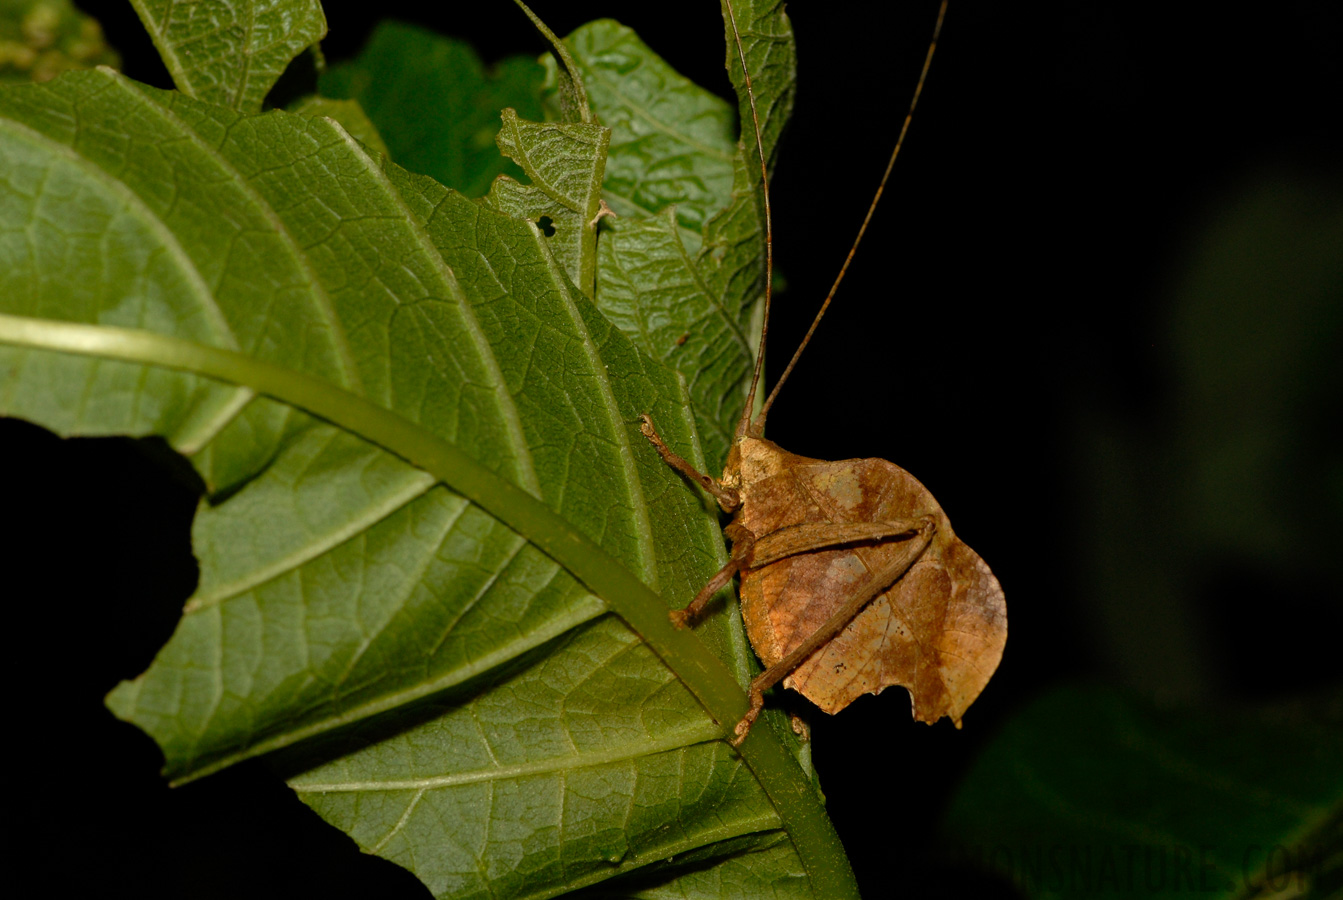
x,y
759,422
744,424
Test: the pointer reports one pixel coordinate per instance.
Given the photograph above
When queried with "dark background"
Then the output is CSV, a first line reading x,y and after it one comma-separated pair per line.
x,y
1014,291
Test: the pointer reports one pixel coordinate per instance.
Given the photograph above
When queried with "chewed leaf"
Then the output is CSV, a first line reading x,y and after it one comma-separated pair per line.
x,y
231,53
672,142
343,590
564,162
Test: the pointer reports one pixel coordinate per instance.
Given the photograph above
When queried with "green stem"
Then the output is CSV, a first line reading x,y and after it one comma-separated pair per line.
x,y
566,59
706,676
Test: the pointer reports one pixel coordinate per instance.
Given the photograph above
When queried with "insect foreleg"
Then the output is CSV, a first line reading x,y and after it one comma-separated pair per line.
x,y
865,593
727,498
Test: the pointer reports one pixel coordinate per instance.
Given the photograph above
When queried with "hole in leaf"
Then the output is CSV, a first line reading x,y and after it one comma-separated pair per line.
x,y
547,226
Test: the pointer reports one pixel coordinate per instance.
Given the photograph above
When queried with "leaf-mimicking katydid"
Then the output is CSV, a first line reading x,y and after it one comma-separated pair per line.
x,y
851,576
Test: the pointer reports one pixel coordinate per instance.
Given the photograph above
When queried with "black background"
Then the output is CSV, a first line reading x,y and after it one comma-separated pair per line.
x,y
1061,162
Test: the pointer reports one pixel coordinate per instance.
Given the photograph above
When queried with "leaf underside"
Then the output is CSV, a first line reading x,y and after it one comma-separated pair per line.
x,y
682,272
426,678
230,52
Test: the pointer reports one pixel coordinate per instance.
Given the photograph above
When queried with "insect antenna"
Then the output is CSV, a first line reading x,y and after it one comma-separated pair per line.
x,y
745,424
756,427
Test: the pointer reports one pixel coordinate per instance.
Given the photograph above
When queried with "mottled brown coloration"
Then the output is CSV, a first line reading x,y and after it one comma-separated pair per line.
x,y
939,630
852,580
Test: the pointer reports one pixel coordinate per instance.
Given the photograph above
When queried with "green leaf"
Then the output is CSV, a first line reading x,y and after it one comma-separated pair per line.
x,y
349,114
40,39
656,289
682,271
435,103
231,52
771,55
345,341
1088,793
672,142
568,87
564,163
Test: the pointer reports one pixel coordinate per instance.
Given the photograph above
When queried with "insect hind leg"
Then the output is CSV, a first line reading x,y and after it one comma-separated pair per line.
x,y
875,585
686,618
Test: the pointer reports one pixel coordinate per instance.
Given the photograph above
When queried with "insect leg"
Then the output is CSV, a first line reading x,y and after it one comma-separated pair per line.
x,y
795,539
727,498
864,594
685,618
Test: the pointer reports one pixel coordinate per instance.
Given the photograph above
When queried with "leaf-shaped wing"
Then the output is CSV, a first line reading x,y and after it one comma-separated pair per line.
x,y
939,630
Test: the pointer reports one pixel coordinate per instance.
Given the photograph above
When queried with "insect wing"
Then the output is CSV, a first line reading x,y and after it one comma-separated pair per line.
x,y
938,631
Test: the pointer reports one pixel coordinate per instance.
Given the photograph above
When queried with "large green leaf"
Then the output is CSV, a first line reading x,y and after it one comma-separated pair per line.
x,y
672,142
680,270
1089,793
435,669
230,52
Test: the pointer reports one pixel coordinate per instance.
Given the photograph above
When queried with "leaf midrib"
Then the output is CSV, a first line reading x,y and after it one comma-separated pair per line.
x,y
701,733
708,678
643,528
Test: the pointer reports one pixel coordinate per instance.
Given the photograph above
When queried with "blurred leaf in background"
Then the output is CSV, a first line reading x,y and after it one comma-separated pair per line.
x,y
436,104
1210,548
40,39
1216,519
1090,793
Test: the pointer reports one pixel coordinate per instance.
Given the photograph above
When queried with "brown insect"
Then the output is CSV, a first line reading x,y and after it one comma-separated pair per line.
x,y
851,576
